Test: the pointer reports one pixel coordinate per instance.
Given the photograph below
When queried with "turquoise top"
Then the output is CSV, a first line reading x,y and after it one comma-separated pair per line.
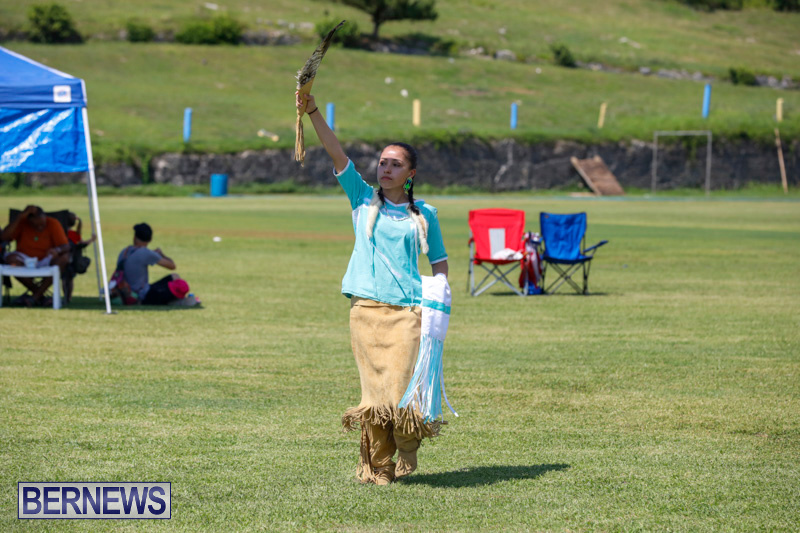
x,y
385,268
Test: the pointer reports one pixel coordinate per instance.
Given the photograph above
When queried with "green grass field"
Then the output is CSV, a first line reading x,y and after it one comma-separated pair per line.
x,y
668,399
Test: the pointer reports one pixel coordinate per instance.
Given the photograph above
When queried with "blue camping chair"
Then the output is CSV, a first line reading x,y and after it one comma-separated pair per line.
x,y
564,240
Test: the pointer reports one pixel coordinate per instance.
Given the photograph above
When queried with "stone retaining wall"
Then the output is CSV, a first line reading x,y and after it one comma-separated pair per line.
x,y
502,165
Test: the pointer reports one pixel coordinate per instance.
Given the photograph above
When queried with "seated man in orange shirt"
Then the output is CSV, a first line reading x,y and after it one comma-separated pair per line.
x,y
41,237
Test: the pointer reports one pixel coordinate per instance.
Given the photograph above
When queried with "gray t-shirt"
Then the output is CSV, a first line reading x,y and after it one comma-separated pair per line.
x,y
136,268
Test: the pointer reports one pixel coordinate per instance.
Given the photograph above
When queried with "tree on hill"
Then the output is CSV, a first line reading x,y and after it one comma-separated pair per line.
x,y
385,10
52,23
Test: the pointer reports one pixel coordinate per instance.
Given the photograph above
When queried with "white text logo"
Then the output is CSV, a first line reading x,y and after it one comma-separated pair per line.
x,y
94,500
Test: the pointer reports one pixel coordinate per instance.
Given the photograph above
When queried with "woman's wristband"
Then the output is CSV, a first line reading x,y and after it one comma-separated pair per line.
x,y
315,110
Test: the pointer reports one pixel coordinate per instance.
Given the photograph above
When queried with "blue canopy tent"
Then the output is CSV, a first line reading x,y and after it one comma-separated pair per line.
x,y
44,127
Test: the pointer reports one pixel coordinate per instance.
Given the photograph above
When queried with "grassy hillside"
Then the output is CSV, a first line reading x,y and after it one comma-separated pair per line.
x,y
138,92
659,32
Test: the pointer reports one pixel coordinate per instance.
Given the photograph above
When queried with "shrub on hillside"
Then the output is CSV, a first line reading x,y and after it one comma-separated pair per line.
x,y
139,32
227,29
223,29
563,56
432,44
196,32
742,76
445,47
52,24
786,5
348,35
713,5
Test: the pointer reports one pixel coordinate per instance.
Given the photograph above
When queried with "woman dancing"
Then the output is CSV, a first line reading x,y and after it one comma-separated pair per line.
x,y
385,290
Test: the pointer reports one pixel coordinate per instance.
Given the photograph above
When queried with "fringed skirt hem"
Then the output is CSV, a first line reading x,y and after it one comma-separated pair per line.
x,y
403,420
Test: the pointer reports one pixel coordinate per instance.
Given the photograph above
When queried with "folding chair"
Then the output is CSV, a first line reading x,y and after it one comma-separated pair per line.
x,y
495,244
564,240
7,272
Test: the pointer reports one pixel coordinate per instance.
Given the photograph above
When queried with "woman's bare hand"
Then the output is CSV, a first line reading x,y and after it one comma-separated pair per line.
x,y
305,102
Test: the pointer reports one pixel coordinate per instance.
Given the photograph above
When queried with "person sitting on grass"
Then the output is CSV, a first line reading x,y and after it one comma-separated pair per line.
x,y
42,239
138,258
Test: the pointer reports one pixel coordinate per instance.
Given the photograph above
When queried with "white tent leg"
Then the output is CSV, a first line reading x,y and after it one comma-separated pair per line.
x,y
95,208
94,244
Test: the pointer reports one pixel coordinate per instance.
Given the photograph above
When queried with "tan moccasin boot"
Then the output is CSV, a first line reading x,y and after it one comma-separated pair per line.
x,y
385,475
407,446
406,463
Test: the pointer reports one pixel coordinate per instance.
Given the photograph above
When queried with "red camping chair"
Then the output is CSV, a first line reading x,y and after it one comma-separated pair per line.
x,y
495,244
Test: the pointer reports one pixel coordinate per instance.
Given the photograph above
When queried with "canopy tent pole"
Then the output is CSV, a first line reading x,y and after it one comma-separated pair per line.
x,y
94,244
95,209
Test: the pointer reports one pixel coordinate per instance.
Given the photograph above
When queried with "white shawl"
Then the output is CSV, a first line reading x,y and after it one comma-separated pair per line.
x,y
426,388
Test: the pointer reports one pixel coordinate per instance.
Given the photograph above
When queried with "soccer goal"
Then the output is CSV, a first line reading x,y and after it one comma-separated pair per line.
x,y
658,134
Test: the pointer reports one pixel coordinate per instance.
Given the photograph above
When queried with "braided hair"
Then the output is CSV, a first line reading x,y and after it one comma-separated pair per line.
x,y
378,200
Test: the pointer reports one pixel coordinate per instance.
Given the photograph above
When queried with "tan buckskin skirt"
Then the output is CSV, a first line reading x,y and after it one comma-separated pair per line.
x,y
385,340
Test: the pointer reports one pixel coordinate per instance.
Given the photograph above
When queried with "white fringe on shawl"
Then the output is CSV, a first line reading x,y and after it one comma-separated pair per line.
x,y
426,388
422,225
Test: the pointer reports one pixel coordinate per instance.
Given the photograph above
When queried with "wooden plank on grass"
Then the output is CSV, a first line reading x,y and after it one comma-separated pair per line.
x,y
597,176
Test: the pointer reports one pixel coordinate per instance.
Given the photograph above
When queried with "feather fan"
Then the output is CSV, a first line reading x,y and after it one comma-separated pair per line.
x,y
305,78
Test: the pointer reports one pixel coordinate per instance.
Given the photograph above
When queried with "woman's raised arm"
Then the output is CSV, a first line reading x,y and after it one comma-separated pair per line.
x,y
326,136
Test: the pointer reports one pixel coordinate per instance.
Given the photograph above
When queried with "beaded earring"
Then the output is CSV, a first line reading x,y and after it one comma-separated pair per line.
x,y
407,184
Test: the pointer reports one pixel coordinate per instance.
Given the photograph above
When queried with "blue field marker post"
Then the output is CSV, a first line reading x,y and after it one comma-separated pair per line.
x,y
330,112
706,100
513,115
187,124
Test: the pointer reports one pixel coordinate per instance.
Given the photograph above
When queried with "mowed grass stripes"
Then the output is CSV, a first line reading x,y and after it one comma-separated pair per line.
x,y
668,399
